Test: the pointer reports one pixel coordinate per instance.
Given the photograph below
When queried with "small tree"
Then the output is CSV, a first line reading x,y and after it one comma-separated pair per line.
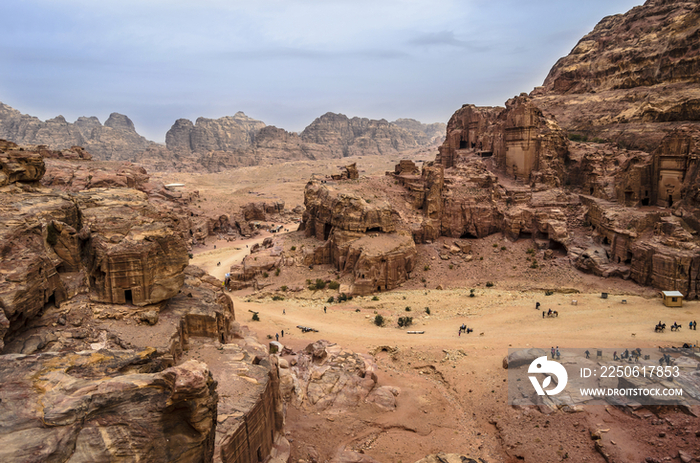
x,y
255,317
379,320
405,322
333,285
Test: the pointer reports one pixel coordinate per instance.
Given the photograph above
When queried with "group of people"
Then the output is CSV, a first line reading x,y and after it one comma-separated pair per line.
x,y
464,329
555,352
626,355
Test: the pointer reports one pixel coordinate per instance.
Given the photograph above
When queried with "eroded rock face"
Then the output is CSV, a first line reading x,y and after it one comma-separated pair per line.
x,y
327,208
106,405
18,165
632,79
136,254
228,133
115,140
329,377
111,243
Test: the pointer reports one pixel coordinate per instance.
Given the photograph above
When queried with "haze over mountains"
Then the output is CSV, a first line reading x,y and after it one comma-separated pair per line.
x,y
216,144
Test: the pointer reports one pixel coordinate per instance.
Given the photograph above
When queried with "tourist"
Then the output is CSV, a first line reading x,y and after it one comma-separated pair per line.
x,y
282,333
558,354
543,314
324,310
277,336
552,351
284,311
588,354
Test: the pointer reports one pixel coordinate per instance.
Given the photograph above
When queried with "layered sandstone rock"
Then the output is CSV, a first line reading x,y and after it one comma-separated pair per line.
x,y
329,377
206,135
632,78
115,140
106,405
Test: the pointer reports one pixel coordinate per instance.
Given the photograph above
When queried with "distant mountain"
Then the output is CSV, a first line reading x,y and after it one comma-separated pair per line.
x,y
115,140
216,144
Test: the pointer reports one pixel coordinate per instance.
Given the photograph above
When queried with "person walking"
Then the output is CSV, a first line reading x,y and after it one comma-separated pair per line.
x,y
277,336
552,351
324,310
543,314
282,333
558,353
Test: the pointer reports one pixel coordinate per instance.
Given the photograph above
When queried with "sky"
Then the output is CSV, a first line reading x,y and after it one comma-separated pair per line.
x,y
285,62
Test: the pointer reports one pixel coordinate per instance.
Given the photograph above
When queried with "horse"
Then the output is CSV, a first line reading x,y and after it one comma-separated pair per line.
x,y
553,313
660,328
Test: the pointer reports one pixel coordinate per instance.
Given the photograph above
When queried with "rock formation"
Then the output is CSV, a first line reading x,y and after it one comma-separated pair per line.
x,y
632,79
218,144
360,238
115,140
98,316
103,405
226,134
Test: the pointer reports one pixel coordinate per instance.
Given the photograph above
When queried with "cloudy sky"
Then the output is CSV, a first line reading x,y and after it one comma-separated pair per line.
x,y
284,62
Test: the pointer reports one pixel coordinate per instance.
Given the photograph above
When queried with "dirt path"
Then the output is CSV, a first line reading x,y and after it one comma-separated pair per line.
x,y
228,253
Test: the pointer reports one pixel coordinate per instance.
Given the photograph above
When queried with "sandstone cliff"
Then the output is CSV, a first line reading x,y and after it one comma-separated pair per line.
x,y
633,78
115,140
206,135
217,144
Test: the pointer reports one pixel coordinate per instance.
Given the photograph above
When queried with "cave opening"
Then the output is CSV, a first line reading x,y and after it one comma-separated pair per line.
x,y
374,230
645,201
327,230
128,297
468,236
525,235
462,144
670,200
629,258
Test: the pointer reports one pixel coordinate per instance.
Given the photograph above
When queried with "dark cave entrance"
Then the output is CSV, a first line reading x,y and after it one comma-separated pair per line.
x,y
525,235
327,230
468,236
670,200
374,230
462,144
128,297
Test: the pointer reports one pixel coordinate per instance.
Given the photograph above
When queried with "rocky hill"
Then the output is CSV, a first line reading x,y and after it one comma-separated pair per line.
x,y
116,140
216,144
633,78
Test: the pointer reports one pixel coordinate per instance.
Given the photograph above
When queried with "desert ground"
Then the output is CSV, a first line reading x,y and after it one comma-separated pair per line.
x,y
453,388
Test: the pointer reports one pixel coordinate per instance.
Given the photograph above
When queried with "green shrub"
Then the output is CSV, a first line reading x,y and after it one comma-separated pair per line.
x,y
277,298
495,245
451,266
375,298
283,287
256,318
426,267
408,309
320,284
503,248
294,248
265,274
331,300
530,251
379,320
489,284
190,255
277,272
548,292
334,285
405,322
